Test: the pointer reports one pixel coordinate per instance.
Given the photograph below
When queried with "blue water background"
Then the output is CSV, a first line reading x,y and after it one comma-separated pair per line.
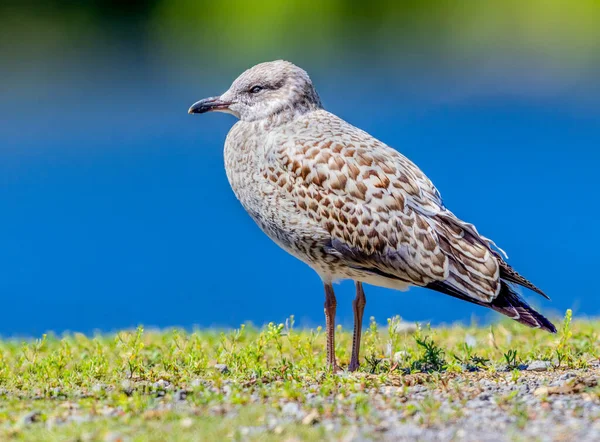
x,y
116,211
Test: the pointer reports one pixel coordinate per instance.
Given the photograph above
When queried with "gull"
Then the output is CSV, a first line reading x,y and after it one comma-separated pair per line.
x,y
350,206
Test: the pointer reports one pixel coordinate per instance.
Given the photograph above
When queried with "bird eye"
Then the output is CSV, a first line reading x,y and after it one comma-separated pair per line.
x,y
256,89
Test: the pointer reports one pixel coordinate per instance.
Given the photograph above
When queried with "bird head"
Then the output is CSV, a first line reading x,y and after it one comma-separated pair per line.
x,y
264,90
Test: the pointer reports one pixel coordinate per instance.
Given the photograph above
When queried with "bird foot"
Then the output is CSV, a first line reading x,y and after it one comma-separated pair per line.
x,y
354,365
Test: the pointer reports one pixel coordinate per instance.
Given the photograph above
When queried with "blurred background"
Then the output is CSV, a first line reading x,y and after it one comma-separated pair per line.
x,y
114,205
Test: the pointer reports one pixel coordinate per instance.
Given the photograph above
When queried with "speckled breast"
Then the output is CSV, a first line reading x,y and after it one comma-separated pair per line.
x,y
273,210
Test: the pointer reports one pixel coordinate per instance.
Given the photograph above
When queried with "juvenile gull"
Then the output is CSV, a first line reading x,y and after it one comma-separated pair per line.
x,y
350,206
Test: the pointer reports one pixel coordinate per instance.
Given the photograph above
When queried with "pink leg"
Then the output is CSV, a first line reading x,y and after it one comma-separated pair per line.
x,y
330,306
358,305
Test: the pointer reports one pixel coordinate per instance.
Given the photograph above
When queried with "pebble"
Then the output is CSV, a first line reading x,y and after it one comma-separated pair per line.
x,y
539,366
542,391
127,387
566,376
79,419
222,368
291,409
31,417
311,418
161,383
180,395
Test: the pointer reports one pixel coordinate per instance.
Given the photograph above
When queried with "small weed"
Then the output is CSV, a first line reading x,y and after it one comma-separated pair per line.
x,y
432,358
512,360
563,352
469,360
373,363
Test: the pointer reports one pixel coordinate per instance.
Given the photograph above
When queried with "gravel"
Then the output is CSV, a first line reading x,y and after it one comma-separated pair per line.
x,y
539,403
496,408
467,407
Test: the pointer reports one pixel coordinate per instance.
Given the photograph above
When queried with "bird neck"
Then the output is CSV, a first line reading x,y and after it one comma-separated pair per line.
x,y
288,114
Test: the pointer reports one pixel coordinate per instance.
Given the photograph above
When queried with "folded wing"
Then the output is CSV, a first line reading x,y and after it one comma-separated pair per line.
x,y
385,216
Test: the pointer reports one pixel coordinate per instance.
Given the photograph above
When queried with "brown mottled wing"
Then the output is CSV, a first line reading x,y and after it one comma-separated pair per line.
x,y
384,216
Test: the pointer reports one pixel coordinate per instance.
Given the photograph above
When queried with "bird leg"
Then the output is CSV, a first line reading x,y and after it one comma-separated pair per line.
x,y
330,305
358,305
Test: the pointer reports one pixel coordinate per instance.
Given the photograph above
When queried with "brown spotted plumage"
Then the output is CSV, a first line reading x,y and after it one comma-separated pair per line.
x,y
350,206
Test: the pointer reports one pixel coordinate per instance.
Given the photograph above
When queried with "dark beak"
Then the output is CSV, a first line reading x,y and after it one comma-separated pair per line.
x,y
208,105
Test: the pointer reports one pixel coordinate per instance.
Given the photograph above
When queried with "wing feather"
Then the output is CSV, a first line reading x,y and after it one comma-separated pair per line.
x,y
384,215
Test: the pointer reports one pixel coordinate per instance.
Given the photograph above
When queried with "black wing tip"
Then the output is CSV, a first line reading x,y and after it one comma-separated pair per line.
x,y
551,328
507,302
507,273
538,291
510,304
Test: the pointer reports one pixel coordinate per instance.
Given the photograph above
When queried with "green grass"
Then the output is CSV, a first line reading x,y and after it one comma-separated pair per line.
x,y
158,385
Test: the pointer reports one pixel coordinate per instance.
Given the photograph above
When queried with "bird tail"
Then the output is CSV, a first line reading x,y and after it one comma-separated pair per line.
x,y
509,303
509,274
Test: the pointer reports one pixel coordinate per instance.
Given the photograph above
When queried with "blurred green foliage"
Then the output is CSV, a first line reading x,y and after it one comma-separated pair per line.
x,y
555,31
